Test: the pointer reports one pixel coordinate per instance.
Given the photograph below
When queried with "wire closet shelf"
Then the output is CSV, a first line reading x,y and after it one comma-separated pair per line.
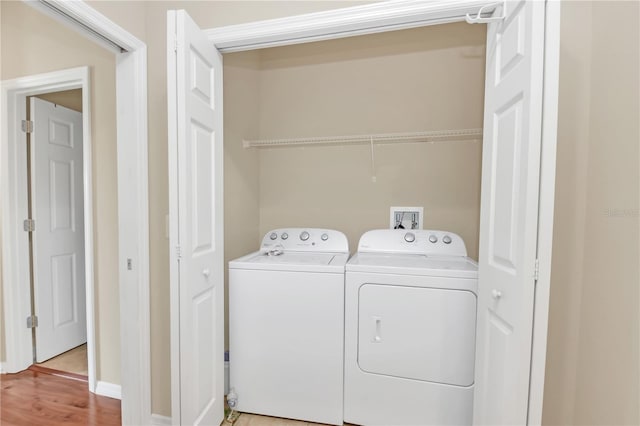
x,y
380,138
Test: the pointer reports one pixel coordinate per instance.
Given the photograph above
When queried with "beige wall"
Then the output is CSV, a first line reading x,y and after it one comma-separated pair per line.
x,y
241,184
33,43
592,359
429,78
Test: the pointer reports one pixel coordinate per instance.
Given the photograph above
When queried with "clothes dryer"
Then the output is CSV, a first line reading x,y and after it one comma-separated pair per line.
x,y
286,325
410,322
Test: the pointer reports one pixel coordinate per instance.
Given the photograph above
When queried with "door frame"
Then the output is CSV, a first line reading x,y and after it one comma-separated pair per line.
x,y
404,14
133,216
17,295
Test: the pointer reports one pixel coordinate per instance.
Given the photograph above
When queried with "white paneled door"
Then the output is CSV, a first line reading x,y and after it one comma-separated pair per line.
x,y
509,213
58,239
195,149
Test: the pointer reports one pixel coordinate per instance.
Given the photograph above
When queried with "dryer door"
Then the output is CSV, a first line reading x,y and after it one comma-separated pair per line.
x,y
417,333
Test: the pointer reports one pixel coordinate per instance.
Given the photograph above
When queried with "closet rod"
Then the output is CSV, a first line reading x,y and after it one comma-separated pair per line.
x,y
429,136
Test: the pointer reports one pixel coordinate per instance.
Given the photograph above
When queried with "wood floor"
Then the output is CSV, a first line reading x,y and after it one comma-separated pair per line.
x,y
35,398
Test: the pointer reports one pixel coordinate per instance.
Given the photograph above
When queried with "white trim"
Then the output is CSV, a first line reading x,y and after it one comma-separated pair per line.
x,y
545,210
133,231
172,151
15,268
133,217
158,420
17,295
108,389
345,22
77,15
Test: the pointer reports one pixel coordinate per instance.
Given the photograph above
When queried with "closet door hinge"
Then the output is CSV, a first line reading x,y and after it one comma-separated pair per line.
x,y
178,252
536,270
175,44
32,321
27,126
29,225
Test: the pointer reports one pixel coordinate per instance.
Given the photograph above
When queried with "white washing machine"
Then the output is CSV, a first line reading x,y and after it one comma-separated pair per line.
x,y
410,324
286,325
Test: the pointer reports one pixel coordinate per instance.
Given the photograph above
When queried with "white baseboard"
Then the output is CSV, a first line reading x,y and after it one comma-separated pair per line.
x,y
109,389
1,367
157,419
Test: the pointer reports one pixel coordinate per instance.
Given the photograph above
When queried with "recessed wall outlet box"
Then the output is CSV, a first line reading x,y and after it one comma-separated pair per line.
x,y
406,217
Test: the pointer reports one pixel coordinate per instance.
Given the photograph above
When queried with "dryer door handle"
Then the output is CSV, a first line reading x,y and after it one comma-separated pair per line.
x,y
377,327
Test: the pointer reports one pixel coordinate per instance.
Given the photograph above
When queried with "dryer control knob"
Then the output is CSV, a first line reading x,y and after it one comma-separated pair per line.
x,y
409,237
304,236
446,239
324,237
284,236
433,238
273,236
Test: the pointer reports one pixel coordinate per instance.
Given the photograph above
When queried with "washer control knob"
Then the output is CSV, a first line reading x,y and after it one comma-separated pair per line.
x,y
284,236
273,236
433,239
304,236
324,237
409,237
446,239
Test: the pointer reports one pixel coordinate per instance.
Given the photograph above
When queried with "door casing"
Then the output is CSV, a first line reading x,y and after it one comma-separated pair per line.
x,y
17,293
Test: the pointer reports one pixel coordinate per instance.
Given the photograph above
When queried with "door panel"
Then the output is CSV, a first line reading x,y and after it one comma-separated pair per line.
x,y
509,213
195,146
58,241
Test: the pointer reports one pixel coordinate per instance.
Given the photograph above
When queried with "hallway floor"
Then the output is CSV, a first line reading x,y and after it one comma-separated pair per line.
x,y
73,361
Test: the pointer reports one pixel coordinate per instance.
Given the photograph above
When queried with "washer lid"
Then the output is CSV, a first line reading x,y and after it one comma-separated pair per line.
x,y
293,261
414,264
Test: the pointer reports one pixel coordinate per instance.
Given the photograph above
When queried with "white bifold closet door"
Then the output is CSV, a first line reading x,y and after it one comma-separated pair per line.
x,y
58,239
509,213
197,282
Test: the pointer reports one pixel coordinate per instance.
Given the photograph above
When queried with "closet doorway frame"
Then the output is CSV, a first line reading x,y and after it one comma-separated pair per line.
x,y
133,217
405,14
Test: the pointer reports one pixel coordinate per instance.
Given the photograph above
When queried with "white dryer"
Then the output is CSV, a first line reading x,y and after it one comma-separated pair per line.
x,y
410,323
286,325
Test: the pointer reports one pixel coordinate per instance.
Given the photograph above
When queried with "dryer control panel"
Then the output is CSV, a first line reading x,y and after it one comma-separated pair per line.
x,y
415,241
306,239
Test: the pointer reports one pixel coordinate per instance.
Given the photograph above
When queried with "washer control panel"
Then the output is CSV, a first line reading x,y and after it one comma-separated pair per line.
x,y
416,241
306,239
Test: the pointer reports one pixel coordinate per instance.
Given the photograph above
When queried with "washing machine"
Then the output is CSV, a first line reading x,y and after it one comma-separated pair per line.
x,y
410,324
286,325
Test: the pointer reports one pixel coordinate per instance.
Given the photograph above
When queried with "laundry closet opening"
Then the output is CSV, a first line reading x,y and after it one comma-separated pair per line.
x,y
424,79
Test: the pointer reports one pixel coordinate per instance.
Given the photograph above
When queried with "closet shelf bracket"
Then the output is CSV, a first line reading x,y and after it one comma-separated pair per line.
x,y
479,19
